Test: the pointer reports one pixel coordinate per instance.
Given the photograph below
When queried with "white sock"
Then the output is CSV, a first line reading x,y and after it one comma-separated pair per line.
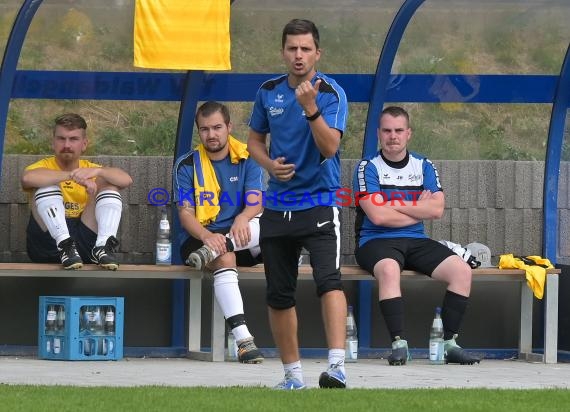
x,y
253,244
108,208
336,357
241,332
295,369
49,203
229,298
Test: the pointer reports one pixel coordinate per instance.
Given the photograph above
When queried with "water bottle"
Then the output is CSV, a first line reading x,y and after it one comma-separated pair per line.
x,y
94,320
87,347
110,320
163,244
436,340
57,345
351,348
84,316
101,346
232,347
110,346
98,320
60,319
51,317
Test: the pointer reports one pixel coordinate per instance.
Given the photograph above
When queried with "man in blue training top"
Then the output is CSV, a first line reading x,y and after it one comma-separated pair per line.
x,y
217,188
305,112
395,191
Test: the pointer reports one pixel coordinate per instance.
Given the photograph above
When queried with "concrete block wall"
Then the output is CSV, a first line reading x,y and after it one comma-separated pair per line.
x,y
498,203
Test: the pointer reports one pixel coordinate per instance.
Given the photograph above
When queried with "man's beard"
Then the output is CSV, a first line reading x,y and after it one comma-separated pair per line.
x,y
216,149
67,155
67,158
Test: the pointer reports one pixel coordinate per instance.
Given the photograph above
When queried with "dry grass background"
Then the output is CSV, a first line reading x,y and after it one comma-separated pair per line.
x,y
470,37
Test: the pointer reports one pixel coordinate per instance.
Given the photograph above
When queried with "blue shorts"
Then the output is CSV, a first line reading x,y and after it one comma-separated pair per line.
x,y
41,246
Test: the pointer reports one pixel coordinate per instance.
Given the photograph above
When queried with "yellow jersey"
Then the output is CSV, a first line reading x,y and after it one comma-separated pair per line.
x,y
75,196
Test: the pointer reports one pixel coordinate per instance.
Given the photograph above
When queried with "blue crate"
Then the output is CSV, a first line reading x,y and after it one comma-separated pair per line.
x,y
80,336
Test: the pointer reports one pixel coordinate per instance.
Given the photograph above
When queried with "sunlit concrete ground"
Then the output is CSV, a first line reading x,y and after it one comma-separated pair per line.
x,y
365,373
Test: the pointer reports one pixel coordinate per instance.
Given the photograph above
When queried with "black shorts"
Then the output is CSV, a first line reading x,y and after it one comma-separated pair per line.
x,y
243,257
41,246
282,237
421,255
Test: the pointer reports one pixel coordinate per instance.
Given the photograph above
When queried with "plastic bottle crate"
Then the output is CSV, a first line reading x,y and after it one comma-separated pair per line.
x,y
78,331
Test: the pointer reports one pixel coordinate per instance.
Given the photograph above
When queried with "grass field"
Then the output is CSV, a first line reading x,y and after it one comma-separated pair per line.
x,y
64,398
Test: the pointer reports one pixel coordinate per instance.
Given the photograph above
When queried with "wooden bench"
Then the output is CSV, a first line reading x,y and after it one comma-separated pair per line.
x,y
44,270
349,272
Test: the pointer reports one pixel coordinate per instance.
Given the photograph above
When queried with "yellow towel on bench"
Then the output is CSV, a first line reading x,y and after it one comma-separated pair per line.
x,y
182,34
206,186
535,268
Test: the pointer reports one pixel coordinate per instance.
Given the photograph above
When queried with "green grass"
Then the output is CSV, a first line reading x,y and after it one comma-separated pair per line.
x,y
152,398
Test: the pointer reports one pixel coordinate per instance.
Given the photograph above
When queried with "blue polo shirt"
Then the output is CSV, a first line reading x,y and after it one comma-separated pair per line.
x,y
276,112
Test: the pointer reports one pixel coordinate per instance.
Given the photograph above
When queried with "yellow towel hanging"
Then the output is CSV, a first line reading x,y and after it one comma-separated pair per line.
x,y
534,267
206,186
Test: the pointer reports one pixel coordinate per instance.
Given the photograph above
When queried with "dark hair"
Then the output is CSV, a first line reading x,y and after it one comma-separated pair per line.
x,y
300,26
70,121
396,111
211,107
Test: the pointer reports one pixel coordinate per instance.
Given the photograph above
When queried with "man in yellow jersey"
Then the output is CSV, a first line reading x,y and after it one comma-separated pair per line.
x,y
75,204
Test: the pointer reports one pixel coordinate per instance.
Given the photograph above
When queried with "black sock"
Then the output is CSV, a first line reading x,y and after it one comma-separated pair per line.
x,y
452,312
393,312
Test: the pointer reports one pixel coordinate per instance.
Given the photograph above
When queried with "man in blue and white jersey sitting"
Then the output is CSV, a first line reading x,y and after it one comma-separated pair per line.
x,y
395,191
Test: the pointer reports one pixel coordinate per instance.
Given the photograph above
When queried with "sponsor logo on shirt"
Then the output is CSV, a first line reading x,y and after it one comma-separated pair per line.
x,y
276,111
72,206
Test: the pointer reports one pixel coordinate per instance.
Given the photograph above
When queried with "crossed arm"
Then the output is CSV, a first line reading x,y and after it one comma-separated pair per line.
x,y
41,177
401,213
